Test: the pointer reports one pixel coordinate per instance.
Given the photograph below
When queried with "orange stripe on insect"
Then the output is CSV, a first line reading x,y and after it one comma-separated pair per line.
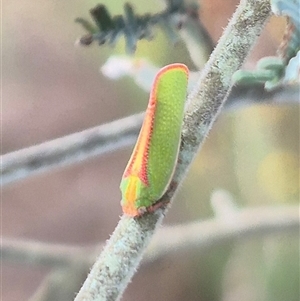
x,y
138,166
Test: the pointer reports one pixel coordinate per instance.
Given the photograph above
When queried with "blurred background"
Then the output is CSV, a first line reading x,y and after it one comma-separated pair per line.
x,y
52,88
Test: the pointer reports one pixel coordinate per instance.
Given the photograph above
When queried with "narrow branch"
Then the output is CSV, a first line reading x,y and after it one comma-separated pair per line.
x,y
69,149
76,148
61,283
243,224
120,258
122,254
46,254
196,38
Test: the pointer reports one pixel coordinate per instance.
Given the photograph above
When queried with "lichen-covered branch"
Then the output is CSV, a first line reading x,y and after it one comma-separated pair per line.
x,y
122,254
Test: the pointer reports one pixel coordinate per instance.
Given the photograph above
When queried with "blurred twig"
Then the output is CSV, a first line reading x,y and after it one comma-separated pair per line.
x,y
45,254
81,146
177,20
61,283
69,149
244,223
196,38
134,27
70,263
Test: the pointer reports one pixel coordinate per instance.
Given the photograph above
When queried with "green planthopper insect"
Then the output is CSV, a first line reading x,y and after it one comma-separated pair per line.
x,y
151,165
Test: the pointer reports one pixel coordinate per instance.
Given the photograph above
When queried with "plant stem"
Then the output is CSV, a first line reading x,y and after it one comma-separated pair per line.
x,y
122,254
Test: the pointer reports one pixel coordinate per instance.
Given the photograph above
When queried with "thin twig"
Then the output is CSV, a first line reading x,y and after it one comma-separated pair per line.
x,y
245,223
196,38
75,148
70,149
122,254
46,254
61,283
